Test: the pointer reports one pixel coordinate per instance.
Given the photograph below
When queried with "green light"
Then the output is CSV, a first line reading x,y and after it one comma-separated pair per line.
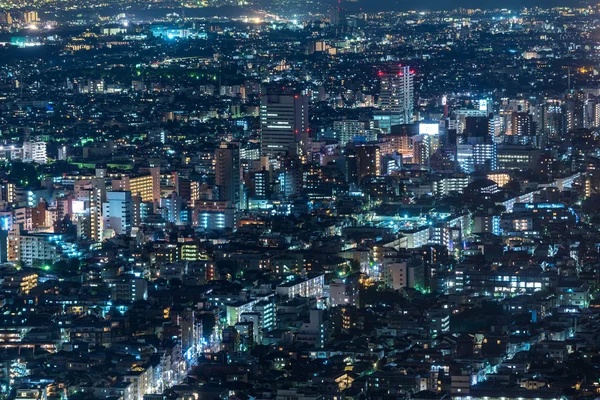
x,y
46,267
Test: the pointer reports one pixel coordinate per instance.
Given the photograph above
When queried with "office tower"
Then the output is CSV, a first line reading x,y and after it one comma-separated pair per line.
x,y
346,131
396,99
335,16
117,212
517,157
95,207
575,110
478,152
369,160
553,119
284,125
495,128
449,132
522,124
290,178
484,156
228,173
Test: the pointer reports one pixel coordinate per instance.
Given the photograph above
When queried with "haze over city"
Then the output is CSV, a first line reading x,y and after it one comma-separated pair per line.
x,y
402,5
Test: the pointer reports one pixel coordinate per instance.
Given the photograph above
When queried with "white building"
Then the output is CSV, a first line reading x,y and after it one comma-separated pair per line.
x,y
35,152
403,274
142,380
446,185
117,212
397,95
413,239
33,249
311,287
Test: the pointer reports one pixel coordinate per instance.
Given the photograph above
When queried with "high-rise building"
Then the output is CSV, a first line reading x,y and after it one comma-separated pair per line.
x,y
478,150
396,99
554,124
369,160
117,212
595,114
289,178
351,164
522,124
335,16
261,184
575,109
284,124
228,173
421,149
496,128
173,209
96,221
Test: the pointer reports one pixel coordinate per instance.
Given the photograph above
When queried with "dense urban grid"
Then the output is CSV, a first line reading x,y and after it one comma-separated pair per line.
x,y
298,201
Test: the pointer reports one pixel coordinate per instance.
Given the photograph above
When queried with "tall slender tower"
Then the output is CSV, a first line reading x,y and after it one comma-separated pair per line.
x,y
228,173
397,94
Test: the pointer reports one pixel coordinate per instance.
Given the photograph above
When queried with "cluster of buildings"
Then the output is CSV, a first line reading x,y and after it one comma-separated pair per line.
x,y
354,206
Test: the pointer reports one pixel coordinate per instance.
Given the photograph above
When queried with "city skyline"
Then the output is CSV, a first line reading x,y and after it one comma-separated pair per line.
x,y
299,200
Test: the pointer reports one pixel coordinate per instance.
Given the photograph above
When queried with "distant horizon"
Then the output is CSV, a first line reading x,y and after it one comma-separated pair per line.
x,y
439,5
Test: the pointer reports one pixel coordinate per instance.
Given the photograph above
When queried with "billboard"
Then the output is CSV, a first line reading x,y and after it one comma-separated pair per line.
x,y
429,129
483,105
